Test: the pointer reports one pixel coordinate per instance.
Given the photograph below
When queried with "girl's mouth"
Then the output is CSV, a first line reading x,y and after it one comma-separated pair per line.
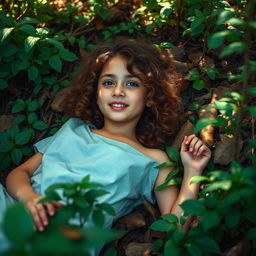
x,y
118,106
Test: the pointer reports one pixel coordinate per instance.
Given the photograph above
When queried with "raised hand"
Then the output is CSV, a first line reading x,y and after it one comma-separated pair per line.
x,y
40,211
194,155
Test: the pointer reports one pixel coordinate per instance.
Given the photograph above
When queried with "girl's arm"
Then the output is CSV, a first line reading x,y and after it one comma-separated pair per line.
x,y
19,186
195,156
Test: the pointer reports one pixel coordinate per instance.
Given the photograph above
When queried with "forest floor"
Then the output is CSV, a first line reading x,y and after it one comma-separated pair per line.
x,y
187,54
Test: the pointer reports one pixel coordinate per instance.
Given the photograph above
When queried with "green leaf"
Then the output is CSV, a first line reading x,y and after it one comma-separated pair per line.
x,y
6,146
98,218
15,67
224,185
194,106
19,119
251,233
166,45
55,63
171,246
67,55
5,161
197,179
252,110
32,117
210,219
30,30
172,182
13,131
216,39
3,84
236,22
10,49
56,43
171,174
23,137
194,75
16,155
33,73
178,235
40,125
32,106
28,20
233,47
198,84
166,164
211,72
252,91
233,218
170,218
224,16
18,107
4,33
17,216
162,225
193,207
26,151
208,244
30,42
193,250
111,251
107,208
173,153
157,244
202,123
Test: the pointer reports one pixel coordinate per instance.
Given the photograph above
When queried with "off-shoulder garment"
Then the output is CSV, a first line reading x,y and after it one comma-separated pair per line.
x,y
75,151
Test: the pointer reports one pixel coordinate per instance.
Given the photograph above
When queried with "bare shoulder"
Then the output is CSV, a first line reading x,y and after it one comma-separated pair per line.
x,y
157,154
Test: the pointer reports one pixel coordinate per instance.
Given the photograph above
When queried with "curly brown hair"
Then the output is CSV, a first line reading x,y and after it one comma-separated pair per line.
x,y
160,119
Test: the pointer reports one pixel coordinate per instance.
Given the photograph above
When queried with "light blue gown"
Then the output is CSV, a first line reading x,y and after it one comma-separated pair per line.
x,y
75,151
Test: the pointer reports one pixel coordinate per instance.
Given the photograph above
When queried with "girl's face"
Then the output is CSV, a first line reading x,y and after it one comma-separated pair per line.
x,y
121,95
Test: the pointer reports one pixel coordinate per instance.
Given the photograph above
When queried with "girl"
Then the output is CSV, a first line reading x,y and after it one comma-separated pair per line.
x,y
122,106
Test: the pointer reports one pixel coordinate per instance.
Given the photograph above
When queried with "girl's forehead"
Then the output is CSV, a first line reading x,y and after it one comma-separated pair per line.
x,y
118,63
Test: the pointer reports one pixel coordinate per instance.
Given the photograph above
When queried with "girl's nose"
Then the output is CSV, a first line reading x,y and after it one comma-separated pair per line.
x,y
118,90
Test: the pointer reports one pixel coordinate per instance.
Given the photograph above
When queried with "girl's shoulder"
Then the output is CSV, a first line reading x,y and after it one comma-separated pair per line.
x,y
157,154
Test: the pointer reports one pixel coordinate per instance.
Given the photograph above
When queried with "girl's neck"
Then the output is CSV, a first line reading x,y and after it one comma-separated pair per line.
x,y
125,131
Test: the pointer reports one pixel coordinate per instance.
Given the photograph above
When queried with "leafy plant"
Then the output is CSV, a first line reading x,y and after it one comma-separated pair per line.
x,y
69,229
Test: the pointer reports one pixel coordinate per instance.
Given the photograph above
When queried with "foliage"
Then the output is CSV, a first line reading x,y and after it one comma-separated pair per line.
x,y
69,230
41,40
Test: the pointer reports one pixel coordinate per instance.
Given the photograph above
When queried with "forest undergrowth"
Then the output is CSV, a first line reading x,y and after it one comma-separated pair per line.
x,y
212,44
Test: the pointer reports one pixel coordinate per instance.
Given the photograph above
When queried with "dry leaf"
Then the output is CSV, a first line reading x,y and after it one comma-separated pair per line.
x,y
5,122
58,101
207,133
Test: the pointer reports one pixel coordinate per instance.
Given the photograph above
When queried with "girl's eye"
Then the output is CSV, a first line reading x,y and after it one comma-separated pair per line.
x,y
132,84
108,83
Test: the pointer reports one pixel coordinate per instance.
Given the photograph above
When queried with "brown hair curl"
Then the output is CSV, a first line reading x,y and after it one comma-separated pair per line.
x,y
160,119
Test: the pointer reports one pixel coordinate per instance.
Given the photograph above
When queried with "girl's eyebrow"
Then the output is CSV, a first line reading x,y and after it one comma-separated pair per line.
x,y
113,76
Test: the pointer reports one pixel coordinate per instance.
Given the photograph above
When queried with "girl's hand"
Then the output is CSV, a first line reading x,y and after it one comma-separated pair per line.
x,y
40,211
194,154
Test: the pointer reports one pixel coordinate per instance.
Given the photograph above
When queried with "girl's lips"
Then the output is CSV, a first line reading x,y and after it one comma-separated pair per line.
x,y
119,106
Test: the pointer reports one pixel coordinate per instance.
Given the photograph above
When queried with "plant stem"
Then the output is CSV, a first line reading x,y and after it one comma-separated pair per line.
x,y
248,41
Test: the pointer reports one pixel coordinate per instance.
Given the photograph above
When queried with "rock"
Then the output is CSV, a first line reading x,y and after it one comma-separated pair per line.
x,y
186,129
138,249
130,222
224,150
5,122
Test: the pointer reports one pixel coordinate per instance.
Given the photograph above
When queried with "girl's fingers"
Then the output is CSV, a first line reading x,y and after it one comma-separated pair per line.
x,y
50,208
37,220
42,214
